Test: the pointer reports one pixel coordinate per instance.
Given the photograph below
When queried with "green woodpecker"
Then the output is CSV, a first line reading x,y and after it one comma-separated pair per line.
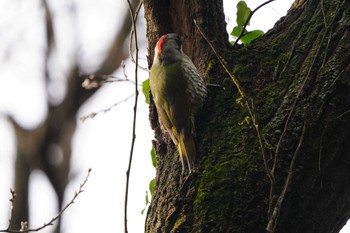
x,y
178,92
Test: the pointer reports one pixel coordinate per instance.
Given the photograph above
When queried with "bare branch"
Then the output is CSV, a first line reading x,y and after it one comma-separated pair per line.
x,y
93,114
24,224
93,81
343,114
117,52
132,36
133,19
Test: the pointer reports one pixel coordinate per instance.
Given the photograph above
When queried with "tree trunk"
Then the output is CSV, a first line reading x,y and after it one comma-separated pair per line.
x,y
273,156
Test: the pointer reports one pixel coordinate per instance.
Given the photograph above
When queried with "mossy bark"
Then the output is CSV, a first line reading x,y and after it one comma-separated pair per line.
x,y
296,80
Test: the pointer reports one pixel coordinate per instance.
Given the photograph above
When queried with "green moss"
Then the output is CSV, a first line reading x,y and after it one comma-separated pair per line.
x,y
209,67
227,173
225,186
237,68
233,186
178,223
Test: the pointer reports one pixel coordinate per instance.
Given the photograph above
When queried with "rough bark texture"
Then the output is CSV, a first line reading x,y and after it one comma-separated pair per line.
x,y
297,81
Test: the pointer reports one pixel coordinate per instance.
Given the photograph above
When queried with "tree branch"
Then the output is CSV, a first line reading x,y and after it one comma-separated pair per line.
x,y
133,19
132,35
24,224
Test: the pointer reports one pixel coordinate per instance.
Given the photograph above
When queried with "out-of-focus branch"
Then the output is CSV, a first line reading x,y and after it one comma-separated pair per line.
x,y
50,35
24,224
137,11
117,52
93,114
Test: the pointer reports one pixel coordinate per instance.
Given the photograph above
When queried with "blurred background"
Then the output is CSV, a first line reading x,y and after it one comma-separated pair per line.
x,y
47,47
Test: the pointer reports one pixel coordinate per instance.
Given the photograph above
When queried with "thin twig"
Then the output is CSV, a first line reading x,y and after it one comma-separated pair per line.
x,y
330,30
286,125
132,36
343,114
274,217
291,54
323,14
133,20
247,22
51,222
318,52
221,60
321,146
93,114
93,81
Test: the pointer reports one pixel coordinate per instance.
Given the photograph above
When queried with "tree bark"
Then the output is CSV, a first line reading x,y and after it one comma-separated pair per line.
x,y
275,156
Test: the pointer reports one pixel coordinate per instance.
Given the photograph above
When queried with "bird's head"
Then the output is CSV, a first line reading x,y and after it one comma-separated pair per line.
x,y
168,48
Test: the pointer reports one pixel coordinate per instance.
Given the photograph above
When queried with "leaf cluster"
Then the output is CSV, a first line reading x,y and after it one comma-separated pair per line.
x,y
243,19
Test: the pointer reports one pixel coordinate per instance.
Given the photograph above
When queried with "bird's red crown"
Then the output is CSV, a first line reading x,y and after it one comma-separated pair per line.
x,y
160,44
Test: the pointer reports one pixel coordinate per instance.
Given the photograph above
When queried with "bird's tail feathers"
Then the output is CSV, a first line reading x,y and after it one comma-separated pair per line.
x,y
187,150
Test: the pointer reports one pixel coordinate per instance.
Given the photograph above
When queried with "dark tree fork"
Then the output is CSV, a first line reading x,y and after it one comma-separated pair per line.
x,y
297,81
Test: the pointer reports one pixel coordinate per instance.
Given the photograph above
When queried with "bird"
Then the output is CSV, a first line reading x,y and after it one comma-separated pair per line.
x,y
178,92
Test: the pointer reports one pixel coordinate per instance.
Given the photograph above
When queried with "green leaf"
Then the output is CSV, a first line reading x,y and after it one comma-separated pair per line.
x,y
146,198
243,12
152,183
250,36
147,202
236,31
154,158
145,90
